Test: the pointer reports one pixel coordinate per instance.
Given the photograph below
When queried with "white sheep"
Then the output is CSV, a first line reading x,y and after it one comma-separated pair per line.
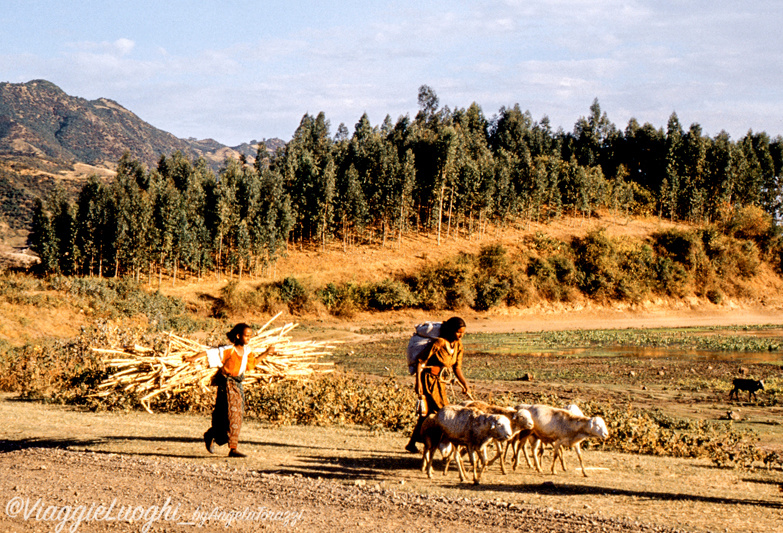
x,y
462,426
521,426
562,428
519,442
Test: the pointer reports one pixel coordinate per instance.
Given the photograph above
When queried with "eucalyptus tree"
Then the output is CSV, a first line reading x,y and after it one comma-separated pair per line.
x,y
352,210
591,137
166,219
42,240
671,186
94,234
64,227
270,219
474,174
693,201
309,171
131,214
642,151
759,186
724,165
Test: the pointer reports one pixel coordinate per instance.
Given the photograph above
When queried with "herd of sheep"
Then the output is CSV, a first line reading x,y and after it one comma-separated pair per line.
x,y
474,426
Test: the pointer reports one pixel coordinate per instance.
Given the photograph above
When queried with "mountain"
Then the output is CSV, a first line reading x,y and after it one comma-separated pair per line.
x,y
38,119
49,139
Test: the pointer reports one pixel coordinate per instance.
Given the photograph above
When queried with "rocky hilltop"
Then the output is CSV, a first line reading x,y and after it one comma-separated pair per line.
x,y
38,119
50,139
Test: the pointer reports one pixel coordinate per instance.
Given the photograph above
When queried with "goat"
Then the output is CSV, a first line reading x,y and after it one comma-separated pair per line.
x,y
749,385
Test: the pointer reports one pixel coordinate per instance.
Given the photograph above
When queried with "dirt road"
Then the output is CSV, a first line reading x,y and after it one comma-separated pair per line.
x,y
116,465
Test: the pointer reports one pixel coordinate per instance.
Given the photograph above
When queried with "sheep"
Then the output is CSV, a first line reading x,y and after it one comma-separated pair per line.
x,y
462,426
521,425
518,442
562,428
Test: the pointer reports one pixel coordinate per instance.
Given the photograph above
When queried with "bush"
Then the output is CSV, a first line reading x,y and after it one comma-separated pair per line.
x,y
489,292
294,294
682,247
334,400
671,278
564,269
637,276
492,259
446,285
342,300
596,262
389,295
235,301
749,222
714,296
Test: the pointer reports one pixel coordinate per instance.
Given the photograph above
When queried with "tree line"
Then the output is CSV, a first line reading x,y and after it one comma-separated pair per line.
x,y
444,171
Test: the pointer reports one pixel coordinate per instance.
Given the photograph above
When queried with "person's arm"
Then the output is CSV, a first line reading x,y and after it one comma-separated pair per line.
x,y
214,356
419,366
458,372
191,358
461,379
269,351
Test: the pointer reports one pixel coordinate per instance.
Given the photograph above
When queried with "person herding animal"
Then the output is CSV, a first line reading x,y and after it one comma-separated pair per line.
x,y
445,352
232,360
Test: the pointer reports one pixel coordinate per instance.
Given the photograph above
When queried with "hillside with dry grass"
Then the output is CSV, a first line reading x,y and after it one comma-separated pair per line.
x,y
60,307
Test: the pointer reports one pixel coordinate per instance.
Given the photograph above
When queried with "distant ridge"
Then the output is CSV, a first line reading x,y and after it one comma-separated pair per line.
x,y
38,119
50,140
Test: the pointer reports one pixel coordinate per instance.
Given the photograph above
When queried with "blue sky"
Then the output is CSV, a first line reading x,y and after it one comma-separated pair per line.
x,y
241,70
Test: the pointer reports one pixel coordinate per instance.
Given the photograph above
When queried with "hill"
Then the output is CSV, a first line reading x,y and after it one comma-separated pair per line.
x,y
49,138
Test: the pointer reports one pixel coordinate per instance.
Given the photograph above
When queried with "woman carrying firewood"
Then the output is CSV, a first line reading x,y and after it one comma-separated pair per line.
x,y
445,353
232,360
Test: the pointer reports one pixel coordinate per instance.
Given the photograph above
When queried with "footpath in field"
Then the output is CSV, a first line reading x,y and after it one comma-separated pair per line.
x,y
154,470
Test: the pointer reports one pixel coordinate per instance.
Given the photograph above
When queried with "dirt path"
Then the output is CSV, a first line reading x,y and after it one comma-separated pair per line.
x,y
339,479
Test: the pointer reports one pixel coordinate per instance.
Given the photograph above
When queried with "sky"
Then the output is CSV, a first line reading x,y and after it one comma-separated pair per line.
x,y
237,71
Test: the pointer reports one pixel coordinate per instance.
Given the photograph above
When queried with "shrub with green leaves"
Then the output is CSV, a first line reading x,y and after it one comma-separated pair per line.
x,y
596,261
388,295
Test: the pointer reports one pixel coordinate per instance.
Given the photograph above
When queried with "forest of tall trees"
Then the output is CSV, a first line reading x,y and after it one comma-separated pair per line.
x,y
444,171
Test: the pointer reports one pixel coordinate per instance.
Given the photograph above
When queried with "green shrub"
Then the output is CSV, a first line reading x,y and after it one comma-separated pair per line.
x,y
714,296
492,260
637,277
596,262
682,247
749,222
564,269
342,300
236,301
446,285
334,400
388,295
294,294
671,278
543,273
748,260
489,292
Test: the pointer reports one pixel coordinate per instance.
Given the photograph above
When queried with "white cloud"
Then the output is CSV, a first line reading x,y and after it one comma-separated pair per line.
x,y
716,62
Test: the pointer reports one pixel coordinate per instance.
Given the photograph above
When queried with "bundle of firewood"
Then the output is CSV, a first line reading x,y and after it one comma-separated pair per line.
x,y
148,373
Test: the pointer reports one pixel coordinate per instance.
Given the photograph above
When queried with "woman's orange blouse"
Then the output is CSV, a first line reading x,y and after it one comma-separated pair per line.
x,y
230,361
